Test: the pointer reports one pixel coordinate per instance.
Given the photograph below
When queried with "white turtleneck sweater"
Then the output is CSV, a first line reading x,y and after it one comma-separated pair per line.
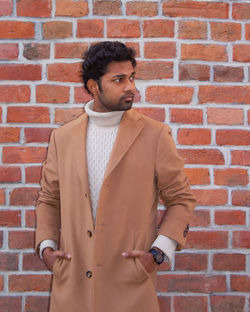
x,y
101,134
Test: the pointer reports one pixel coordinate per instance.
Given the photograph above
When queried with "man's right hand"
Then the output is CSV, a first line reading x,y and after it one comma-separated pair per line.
x,y
50,255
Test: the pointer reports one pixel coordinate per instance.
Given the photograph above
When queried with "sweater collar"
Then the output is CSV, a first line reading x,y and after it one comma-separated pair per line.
x,y
109,119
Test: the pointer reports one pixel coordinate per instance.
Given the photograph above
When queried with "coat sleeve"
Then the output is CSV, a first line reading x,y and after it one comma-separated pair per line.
x,y
48,202
174,189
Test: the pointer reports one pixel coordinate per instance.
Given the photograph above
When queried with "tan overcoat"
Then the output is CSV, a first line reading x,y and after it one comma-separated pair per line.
x,y
143,163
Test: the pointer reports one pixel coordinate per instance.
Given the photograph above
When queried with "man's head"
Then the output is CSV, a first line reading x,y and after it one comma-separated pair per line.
x,y
108,74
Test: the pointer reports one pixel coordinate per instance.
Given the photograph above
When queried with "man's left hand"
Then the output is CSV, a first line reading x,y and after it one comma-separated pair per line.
x,y
146,259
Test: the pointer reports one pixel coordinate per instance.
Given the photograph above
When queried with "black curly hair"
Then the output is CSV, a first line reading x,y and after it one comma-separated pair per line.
x,y
98,57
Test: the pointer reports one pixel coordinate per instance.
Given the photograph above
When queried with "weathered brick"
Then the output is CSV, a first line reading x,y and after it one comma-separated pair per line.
x,y
16,30
191,262
207,240
240,158
70,50
241,52
232,137
123,28
227,303
194,136
24,196
20,72
21,239
195,9
9,134
225,116
190,303
200,218
38,8
63,115
71,8
229,262
6,7
37,135
106,7
135,46
158,28
225,31
154,113
147,70
211,197
204,52
57,30
240,283
90,28
198,176
164,303
31,262
10,218
186,116
230,217
65,72
241,198
202,156
2,202
10,174
8,51
29,114
25,154
33,174
169,95
141,8
228,73
164,50
36,51
81,95
247,31
231,177
241,11
52,94
192,30
14,94
36,303
29,282
30,218
13,303
8,262
241,239
1,283
194,72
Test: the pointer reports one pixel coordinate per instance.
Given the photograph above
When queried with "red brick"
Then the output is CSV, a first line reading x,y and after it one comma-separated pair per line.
x,y
38,8
1,283
28,114
240,158
8,262
57,30
30,218
33,174
81,95
14,94
225,116
35,303
164,303
190,304
20,72
227,303
154,113
65,72
204,52
90,28
63,115
224,94
229,262
10,174
28,282
207,240
227,73
25,154
194,136
247,31
169,95
36,51
230,217
232,137
0,113
195,9
191,262
24,196
8,51
194,72
70,50
9,134
213,197
198,176
6,7
147,70
10,218
202,156
142,8
2,202
192,30
21,239
12,302
225,31
200,218
158,28
241,53
186,116
52,94
31,262
16,30
240,283
194,283
123,28
71,8
241,198
164,50
241,11
231,177
135,46
37,135
107,7
241,239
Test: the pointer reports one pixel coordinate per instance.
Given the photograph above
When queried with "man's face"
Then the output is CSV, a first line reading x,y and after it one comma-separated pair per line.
x,y
116,88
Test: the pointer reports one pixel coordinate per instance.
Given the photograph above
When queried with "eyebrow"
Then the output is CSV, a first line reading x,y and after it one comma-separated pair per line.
x,y
122,75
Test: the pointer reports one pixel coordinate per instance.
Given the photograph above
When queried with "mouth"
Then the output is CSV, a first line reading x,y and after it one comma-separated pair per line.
x,y
128,97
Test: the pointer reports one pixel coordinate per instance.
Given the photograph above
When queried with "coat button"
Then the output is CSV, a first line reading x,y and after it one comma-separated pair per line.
x,y
89,233
89,274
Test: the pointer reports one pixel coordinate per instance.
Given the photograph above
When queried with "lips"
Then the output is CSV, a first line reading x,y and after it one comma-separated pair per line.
x,y
129,97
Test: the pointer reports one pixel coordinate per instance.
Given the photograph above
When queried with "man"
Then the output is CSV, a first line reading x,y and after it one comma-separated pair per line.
x,y
96,213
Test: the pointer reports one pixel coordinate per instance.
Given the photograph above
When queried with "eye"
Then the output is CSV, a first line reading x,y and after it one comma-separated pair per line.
x,y
118,80
132,78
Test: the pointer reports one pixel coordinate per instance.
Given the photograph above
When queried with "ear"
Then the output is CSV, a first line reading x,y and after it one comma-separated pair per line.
x,y
93,86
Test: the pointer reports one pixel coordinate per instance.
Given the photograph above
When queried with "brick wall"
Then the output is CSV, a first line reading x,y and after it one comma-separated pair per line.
x,y
193,73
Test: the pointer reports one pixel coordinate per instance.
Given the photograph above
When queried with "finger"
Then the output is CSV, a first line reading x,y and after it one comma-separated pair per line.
x,y
133,253
62,254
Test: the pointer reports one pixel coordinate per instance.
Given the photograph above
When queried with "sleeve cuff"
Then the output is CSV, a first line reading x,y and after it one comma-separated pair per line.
x,y
47,243
167,245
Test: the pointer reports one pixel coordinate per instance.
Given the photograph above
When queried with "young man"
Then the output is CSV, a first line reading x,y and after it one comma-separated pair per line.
x,y
96,213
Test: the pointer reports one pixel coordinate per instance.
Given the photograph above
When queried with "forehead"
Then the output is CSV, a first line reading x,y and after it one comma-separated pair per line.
x,y
119,68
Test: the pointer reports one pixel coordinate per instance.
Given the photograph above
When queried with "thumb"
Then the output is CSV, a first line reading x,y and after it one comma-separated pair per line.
x,y
133,253
62,254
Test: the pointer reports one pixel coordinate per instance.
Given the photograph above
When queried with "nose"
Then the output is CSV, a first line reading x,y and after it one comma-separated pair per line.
x,y
130,86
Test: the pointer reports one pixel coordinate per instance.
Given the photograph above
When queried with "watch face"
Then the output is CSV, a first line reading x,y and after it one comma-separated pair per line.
x,y
159,258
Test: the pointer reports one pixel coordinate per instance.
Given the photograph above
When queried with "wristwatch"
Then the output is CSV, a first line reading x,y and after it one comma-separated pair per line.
x,y
158,255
